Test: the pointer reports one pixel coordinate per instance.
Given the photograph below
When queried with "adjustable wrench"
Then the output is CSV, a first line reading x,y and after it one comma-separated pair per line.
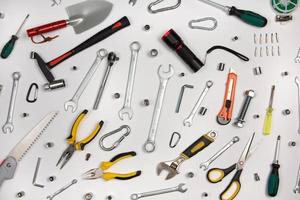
x,y
297,187
8,126
179,188
134,47
73,103
206,164
189,120
164,77
297,80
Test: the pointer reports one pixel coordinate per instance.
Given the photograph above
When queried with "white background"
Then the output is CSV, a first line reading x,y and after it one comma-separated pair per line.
x,y
146,85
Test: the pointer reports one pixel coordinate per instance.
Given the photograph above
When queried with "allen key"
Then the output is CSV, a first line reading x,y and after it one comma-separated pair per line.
x,y
181,96
36,173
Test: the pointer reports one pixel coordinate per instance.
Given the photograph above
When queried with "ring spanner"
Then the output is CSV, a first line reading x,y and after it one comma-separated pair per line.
x,y
164,77
189,120
73,103
134,47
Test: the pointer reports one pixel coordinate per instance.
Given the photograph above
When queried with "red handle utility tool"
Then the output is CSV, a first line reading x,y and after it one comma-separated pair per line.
x,y
224,116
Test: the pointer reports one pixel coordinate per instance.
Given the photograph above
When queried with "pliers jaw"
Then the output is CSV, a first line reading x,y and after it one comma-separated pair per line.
x,y
66,155
92,174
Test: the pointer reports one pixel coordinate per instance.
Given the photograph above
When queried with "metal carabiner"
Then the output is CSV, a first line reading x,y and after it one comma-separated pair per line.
x,y
36,87
116,143
162,9
173,144
214,26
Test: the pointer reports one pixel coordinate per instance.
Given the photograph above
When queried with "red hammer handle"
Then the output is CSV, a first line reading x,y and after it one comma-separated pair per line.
x,y
47,28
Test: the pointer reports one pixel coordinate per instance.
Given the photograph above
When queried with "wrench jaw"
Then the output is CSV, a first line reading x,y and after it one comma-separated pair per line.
x,y
297,189
163,74
167,166
204,166
182,188
188,122
71,104
8,128
125,111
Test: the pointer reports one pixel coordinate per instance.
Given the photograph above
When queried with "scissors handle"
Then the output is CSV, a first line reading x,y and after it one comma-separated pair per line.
x,y
233,188
216,175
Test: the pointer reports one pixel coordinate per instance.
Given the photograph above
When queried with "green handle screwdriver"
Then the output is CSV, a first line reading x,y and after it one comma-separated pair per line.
x,y
273,182
9,46
246,16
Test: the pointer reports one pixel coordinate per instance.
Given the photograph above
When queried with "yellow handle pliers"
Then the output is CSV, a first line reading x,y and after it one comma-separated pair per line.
x,y
71,140
99,172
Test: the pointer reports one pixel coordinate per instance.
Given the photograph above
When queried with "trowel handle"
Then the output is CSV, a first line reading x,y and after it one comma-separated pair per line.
x,y
101,35
47,28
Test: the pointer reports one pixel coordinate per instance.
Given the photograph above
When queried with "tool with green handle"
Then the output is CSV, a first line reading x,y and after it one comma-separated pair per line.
x,y
9,46
273,182
246,16
269,114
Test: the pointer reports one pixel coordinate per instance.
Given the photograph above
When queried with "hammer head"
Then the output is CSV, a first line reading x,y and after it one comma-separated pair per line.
x,y
170,167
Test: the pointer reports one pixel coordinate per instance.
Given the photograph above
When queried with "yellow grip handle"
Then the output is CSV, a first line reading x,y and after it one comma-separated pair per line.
x,y
268,122
109,175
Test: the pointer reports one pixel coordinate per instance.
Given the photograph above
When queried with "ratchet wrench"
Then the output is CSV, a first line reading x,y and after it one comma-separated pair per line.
x,y
206,164
73,103
224,116
8,126
189,120
164,77
134,47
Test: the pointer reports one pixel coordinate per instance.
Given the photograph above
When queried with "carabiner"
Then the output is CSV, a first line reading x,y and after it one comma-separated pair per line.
x,y
116,143
35,93
162,9
215,23
171,143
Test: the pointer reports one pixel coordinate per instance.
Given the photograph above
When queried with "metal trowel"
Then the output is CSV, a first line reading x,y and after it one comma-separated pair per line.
x,y
82,17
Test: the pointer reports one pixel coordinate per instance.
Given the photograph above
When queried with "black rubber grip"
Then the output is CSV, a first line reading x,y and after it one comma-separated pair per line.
x,y
137,173
197,146
130,153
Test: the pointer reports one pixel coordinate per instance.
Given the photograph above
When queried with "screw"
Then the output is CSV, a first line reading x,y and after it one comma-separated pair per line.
x,y
146,102
190,175
87,156
117,95
109,197
51,178
153,52
204,194
20,194
49,145
256,177
292,143
256,116
74,68
182,74
285,73
147,27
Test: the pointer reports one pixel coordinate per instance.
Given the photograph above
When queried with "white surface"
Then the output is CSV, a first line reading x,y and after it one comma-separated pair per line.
x,y
146,86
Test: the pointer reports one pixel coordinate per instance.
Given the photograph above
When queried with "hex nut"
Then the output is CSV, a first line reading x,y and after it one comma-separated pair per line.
x,y
88,196
51,178
292,143
153,52
109,197
49,145
20,194
146,102
221,66
256,116
25,115
256,177
286,112
182,74
190,175
117,95
147,27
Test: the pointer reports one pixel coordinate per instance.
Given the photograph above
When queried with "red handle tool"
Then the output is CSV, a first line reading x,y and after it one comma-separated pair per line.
x,y
47,28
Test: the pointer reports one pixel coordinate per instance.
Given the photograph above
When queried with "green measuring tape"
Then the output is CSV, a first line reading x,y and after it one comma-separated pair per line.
x,y
284,6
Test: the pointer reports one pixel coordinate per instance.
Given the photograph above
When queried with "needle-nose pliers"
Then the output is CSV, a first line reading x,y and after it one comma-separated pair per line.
x,y
71,140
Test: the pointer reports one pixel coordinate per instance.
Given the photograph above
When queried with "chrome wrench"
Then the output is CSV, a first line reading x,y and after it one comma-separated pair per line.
x,y
189,120
50,197
164,77
297,80
206,164
179,188
73,103
297,187
8,126
127,110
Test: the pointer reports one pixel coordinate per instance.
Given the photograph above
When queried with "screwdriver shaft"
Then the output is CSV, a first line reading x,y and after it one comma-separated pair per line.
x,y
216,5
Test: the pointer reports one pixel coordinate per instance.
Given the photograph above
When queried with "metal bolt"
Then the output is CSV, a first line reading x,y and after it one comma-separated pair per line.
x,y
117,95
221,66
203,111
153,52
147,27
49,145
190,175
256,177
292,143
20,194
257,71
241,119
146,102
88,196
87,156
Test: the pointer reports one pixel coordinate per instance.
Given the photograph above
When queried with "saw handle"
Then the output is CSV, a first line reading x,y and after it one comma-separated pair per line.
x,y
47,28
7,169
200,144
101,35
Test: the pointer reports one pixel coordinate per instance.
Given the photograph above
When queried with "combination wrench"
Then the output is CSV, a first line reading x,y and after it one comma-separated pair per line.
x,y
73,103
50,197
189,120
206,164
8,126
179,188
127,110
297,59
297,186
297,80
164,77
111,59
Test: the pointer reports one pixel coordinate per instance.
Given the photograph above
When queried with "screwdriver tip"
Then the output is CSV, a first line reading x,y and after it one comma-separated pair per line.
x,y
278,137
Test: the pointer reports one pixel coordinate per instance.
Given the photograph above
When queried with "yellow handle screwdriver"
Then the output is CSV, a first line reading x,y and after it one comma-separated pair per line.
x,y
268,117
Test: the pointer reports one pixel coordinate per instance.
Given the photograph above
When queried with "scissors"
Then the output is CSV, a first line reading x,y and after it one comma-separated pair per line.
x,y
216,175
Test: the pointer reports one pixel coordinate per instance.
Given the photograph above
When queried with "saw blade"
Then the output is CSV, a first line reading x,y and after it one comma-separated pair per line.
x,y
19,151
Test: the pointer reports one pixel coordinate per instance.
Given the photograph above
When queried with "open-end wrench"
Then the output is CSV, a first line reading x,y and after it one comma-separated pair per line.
x,y
73,103
8,126
297,59
179,188
50,197
297,187
164,77
297,80
189,120
112,58
127,110
206,164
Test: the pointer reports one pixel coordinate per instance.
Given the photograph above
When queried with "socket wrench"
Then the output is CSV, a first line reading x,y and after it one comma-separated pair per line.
x,y
73,103
8,126
179,188
297,80
127,110
189,120
297,187
50,197
206,164
164,77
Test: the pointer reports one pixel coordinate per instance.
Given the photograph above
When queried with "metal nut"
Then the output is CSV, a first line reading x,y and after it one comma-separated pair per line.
x,y
190,175
286,112
221,66
146,102
256,177
117,95
147,27
49,145
51,178
87,156
292,143
88,196
109,197
20,194
153,52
